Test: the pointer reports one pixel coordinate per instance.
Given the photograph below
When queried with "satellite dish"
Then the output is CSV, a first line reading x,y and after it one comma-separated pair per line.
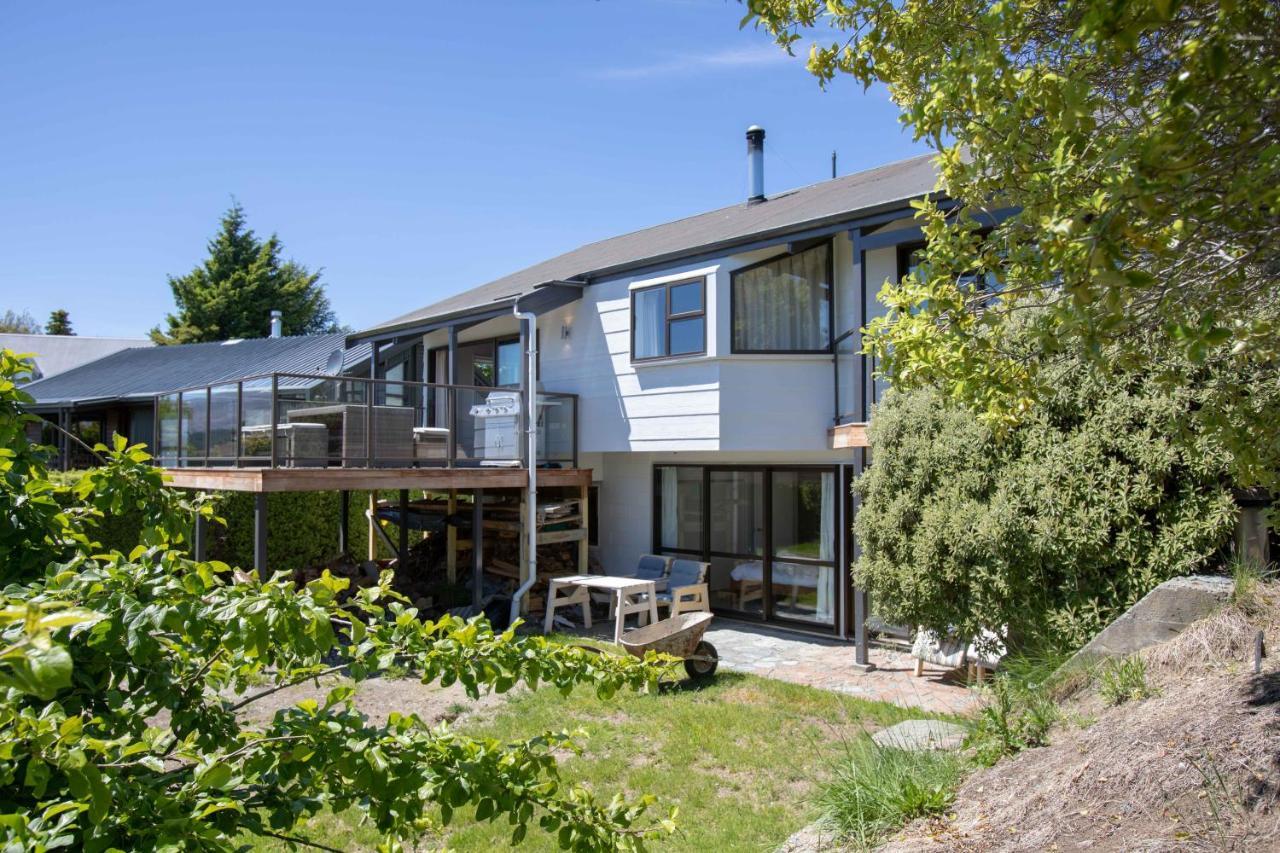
x,y
334,364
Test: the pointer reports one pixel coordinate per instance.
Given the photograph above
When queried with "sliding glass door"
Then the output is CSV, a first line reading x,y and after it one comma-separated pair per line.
x,y
736,529
768,533
803,576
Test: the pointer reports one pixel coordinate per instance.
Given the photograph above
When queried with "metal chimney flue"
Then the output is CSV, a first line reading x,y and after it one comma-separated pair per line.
x,y
755,164
277,324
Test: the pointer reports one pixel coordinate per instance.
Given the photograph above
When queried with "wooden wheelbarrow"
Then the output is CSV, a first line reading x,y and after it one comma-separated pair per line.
x,y
679,636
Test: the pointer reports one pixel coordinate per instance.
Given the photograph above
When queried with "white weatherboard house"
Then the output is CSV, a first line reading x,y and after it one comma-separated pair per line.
x,y
721,399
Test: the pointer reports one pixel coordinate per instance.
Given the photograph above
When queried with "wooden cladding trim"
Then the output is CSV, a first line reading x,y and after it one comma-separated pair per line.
x,y
848,435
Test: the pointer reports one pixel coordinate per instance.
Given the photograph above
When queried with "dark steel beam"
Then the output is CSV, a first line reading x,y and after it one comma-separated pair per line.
x,y
402,545
260,535
477,549
344,522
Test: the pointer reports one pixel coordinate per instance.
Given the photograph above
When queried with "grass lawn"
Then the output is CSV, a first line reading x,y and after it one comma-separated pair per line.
x,y
742,758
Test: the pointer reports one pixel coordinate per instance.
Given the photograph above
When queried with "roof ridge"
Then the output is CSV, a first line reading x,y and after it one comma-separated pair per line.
x,y
863,173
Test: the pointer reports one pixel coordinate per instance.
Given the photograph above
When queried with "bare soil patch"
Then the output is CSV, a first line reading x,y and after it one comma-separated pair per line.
x,y
378,697
1196,767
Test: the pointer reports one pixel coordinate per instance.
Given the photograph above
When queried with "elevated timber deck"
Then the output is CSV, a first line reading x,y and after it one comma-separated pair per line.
x,y
263,480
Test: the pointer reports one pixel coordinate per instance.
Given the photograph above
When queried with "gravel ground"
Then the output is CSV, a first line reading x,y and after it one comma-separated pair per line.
x,y
378,697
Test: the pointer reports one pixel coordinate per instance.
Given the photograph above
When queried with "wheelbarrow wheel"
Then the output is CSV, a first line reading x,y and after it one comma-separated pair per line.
x,y
702,664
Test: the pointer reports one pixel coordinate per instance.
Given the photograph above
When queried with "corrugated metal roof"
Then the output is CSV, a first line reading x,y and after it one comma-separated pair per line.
x,y
143,373
795,210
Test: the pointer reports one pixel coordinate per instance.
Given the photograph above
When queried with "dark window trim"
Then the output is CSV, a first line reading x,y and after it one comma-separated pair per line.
x,y
905,251
494,343
497,366
668,317
767,558
831,302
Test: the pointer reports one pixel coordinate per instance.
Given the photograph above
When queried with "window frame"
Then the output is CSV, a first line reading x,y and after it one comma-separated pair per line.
x,y
705,553
498,344
668,318
831,302
906,250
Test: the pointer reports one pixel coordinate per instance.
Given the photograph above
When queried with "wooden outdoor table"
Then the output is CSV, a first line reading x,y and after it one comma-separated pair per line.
x,y
630,595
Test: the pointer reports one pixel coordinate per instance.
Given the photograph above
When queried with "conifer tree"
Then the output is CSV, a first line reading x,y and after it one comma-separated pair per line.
x,y
59,323
232,293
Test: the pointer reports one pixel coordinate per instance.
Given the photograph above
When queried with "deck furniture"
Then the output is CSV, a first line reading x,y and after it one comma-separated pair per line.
x,y
650,567
687,589
392,444
630,595
297,445
981,655
430,444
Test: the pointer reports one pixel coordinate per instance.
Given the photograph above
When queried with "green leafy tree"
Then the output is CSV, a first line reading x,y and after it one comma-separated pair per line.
x,y
59,323
18,322
233,292
1137,138
1050,529
124,678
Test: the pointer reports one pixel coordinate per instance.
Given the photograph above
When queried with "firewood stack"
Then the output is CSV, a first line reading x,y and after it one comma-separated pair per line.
x,y
422,577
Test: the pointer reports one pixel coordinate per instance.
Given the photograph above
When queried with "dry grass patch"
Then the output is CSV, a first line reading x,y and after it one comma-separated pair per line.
x,y
1194,767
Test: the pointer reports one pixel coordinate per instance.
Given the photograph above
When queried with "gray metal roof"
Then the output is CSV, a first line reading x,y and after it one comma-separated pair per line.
x,y
792,211
144,372
55,354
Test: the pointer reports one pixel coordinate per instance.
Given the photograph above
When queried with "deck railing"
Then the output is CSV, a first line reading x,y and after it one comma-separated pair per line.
x,y
297,420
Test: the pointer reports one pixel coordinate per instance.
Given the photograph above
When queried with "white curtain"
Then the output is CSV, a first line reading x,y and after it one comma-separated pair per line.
x,y
827,549
785,304
670,511
650,322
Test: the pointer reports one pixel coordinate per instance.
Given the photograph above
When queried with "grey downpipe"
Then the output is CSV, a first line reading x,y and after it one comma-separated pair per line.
x,y
531,414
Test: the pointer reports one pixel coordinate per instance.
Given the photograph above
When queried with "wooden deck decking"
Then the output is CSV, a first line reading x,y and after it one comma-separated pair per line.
x,y
263,480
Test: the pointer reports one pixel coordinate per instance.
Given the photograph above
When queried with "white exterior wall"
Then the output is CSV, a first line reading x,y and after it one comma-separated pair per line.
x,y
717,401
779,404
882,266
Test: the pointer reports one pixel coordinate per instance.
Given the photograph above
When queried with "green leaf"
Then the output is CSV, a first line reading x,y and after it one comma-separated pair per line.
x,y
217,775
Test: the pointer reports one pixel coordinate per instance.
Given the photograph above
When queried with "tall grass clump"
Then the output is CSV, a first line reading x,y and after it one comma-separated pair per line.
x,y
1246,575
1121,681
1020,708
877,789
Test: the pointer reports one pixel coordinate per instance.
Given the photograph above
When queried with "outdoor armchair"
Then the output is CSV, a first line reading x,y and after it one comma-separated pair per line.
x,y
686,588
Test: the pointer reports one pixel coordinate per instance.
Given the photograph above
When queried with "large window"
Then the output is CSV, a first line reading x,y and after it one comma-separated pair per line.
x,y
769,534
485,363
784,304
669,320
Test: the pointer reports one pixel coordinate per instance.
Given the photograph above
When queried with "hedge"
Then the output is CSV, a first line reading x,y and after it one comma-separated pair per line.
x,y
1046,532
302,527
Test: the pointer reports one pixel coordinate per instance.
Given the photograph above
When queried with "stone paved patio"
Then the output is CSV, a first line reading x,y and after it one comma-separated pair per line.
x,y
827,664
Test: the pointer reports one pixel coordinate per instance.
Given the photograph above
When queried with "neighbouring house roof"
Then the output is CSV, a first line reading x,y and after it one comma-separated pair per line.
x,y
139,374
54,354
825,203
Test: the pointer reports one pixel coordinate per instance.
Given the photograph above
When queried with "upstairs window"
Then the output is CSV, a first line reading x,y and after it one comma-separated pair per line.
x,y
911,259
784,304
669,320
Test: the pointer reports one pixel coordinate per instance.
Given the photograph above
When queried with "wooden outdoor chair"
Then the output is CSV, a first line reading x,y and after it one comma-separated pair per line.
x,y
687,589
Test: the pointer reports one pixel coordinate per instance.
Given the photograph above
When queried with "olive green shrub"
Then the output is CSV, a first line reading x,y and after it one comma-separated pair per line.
x,y
303,527
1047,531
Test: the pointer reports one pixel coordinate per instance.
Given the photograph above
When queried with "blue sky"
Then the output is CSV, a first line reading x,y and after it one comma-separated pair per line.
x,y
410,149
